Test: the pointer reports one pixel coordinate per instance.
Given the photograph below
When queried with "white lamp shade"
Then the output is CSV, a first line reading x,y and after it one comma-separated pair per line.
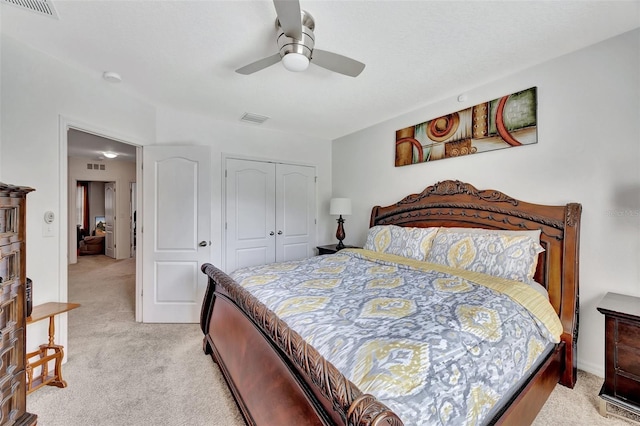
x,y
340,206
295,62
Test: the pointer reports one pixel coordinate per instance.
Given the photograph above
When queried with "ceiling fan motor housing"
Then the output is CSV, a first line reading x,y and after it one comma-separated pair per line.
x,y
304,45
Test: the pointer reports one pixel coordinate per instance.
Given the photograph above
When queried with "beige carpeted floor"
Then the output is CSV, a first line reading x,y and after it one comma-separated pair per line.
x,y
121,372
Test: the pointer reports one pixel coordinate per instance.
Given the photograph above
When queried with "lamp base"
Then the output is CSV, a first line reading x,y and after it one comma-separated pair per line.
x,y
340,233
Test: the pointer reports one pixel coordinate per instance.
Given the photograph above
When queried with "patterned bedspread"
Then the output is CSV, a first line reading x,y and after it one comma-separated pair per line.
x,y
437,345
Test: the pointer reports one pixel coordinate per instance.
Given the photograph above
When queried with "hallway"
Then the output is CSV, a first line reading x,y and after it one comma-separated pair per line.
x,y
100,280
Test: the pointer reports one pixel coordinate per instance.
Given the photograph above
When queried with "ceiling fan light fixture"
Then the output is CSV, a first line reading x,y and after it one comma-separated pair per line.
x,y
295,62
110,154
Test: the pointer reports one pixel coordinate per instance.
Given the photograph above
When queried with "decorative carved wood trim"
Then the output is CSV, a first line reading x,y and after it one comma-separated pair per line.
x,y
420,211
455,187
345,396
573,214
367,410
14,190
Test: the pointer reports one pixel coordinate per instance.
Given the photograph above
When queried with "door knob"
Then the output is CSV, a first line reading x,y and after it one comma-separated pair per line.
x,y
279,232
203,243
272,233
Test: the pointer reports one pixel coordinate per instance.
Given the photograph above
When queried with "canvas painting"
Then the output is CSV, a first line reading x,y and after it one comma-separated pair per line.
x,y
505,122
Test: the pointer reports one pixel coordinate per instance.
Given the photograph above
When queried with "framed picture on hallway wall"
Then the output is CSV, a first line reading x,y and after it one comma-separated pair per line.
x,y
505,122
100,225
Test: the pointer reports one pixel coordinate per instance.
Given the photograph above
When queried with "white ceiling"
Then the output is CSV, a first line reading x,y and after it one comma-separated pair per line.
x,y
184,53
86,145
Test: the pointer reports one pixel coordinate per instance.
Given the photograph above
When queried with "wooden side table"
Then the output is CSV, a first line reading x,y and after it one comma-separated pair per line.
x,y
48,352
622,352
331,249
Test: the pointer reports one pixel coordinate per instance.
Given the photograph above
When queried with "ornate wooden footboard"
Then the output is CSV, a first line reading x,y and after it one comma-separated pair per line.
x,y
278,379
274,375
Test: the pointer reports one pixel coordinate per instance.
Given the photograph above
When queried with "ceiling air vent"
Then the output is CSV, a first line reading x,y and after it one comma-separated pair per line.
x,y
253,118
42,7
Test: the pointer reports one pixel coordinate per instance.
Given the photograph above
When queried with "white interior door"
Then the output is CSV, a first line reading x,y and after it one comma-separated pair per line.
x,y
270,212
295,212
110,219
250,213
132,218
175,231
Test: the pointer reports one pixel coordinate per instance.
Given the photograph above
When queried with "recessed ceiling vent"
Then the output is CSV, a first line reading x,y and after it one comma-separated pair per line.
x,y
93,166
253,118
42,7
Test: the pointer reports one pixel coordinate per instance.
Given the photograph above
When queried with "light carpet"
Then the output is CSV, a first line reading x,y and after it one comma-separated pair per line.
x,y
120,372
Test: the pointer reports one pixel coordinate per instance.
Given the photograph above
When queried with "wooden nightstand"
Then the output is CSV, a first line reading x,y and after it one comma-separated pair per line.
x,y
331,249
622,352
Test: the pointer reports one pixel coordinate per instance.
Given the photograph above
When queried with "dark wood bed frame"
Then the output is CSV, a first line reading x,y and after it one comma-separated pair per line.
x,y
278,379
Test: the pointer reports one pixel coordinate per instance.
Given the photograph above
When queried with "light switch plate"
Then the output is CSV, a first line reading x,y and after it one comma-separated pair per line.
x,y
47,230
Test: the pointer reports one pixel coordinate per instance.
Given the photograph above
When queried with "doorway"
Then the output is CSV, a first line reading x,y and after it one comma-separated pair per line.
x,y
94,218
85,154
110,167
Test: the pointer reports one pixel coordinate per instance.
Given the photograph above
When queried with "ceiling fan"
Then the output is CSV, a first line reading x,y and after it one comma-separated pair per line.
x,y
296,40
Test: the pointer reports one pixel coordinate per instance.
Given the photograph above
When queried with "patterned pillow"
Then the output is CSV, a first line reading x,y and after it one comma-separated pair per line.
x,y
508,256
385,239
413,243
533,234
419,241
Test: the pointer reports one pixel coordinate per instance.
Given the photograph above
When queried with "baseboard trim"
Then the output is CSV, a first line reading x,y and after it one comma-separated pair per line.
x,y
592,368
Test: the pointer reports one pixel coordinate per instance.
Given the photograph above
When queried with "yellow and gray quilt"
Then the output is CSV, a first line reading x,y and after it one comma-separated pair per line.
x,y
436,344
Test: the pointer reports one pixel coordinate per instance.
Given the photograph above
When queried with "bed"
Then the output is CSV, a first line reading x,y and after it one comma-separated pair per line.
x,y
278,378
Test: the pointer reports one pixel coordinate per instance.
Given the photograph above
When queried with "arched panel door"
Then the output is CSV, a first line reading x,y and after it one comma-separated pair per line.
x,y
176,231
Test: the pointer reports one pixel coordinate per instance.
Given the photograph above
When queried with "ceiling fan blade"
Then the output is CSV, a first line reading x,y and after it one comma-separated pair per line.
x,y
289,16
337,63
259,65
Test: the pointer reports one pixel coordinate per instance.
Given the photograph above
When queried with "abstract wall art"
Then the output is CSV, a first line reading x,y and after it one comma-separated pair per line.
x,y
505,122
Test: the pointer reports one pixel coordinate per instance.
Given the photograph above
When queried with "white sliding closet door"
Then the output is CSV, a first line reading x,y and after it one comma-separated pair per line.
x,y
270,212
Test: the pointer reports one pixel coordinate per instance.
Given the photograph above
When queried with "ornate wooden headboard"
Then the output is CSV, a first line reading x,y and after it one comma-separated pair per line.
x,y
458,204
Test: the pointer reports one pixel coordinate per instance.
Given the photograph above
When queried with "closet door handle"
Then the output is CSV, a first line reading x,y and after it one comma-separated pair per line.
x,y
272,233
279,232
203,243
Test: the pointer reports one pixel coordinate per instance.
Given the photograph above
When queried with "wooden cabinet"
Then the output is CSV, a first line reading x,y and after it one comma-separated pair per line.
x,y
13,278
622,352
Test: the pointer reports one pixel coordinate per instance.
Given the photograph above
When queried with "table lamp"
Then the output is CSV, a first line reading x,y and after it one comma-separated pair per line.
x,y
340,206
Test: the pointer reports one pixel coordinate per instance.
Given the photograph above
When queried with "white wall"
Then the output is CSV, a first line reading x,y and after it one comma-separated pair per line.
x,y
120,172
588,151
41,94
247,141
37,90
